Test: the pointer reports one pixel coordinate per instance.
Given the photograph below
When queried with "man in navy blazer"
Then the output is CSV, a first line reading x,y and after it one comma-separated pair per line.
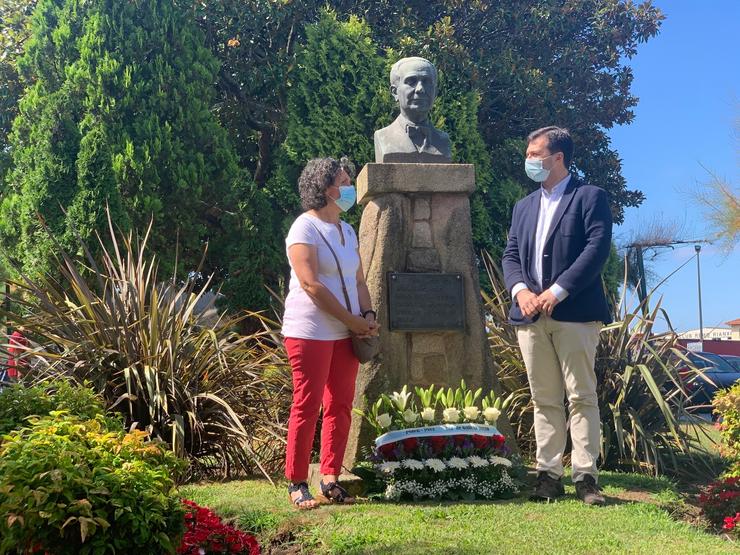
x,y
558,244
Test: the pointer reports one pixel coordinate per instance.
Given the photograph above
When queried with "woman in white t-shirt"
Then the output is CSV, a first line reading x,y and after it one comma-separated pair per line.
x,y
317,326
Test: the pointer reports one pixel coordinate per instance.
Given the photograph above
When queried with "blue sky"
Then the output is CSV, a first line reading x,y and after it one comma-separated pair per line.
x,y
688,82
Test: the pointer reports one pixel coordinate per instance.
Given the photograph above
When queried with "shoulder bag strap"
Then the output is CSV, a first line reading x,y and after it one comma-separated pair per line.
x,y
339,268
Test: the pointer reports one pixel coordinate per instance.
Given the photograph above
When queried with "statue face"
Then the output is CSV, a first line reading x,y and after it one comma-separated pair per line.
x,y
416,90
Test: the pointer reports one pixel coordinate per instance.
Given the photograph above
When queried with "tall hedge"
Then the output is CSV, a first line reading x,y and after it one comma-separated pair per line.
x,y
119,115
336,101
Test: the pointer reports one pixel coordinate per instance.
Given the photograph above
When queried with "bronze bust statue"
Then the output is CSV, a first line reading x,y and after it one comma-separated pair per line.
x,y
411,138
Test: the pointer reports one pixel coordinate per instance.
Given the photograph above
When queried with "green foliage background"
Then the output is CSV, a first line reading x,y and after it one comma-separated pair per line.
x,y
202,115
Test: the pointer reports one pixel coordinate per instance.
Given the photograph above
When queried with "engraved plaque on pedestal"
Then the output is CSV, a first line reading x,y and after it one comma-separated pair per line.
x,y
426,302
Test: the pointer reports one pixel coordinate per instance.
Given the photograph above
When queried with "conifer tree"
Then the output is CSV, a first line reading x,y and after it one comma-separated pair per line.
x,y
119,115
336,102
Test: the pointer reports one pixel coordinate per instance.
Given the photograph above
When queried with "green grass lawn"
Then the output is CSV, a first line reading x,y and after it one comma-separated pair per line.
x,y
643,516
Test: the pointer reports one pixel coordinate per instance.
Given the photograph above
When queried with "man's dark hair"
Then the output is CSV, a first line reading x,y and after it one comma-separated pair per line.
x,y
558,140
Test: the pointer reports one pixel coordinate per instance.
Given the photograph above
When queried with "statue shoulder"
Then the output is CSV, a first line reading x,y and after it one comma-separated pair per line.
x,y
387,129
441,134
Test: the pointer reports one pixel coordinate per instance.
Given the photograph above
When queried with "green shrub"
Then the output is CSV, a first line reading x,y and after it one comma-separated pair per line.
x,y
726,405
143,343
70,486
18,402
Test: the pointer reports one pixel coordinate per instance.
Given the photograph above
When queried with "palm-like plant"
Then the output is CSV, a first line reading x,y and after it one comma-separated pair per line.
x,y
642,399
216,396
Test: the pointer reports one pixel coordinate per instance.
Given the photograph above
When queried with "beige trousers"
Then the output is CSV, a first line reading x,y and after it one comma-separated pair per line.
x,y
559,357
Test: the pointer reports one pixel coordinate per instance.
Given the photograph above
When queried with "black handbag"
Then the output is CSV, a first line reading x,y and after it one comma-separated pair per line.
x,y
365,348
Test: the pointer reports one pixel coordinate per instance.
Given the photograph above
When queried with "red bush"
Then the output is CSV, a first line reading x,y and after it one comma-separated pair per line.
x,y
721,503
205,535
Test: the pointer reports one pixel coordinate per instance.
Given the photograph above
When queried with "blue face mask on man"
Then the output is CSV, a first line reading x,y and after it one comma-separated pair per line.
x,y
534,169
347,197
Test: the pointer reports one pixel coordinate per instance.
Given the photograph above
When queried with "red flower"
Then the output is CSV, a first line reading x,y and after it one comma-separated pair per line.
x,y
498,441
204,530
438,444
410,444
480,442
387,451
729,523
459,439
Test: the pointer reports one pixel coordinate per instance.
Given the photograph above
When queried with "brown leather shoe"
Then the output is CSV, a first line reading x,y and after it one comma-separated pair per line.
x,y
547,488
588,491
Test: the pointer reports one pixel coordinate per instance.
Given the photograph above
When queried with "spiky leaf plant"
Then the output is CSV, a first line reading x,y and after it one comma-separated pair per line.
x,y
215,396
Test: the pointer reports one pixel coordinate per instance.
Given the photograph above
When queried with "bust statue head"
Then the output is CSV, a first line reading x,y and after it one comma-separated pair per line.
x,y
411,138
414,87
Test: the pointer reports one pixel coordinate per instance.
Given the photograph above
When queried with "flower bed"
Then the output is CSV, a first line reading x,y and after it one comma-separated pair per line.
x,y
422,456
720,502
206,534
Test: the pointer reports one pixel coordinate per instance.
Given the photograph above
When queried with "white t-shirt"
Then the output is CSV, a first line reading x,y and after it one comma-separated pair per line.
x,y
302,318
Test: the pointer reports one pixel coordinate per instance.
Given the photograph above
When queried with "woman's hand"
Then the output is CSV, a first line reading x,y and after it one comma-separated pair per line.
x,y
374,326
360,326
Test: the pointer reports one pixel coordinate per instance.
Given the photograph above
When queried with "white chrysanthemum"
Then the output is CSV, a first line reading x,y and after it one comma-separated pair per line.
x,y
435,464
409,416
471,413
389,467
451,415
412,464
384,420
477,462
500,461
491,414
457,462
427,415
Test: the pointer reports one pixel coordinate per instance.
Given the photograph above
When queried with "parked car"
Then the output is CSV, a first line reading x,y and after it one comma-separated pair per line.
x,y
717,372
734,360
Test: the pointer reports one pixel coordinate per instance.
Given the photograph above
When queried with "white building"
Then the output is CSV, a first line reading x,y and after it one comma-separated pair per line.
x,y
735,327
718,333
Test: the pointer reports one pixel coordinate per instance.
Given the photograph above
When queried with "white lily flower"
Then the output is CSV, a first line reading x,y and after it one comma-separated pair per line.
x,y
491,414
471,413
409,416
451,415
427,415
384,420
400,399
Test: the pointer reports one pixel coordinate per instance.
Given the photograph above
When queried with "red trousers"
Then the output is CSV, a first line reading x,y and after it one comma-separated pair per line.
x,y
324,375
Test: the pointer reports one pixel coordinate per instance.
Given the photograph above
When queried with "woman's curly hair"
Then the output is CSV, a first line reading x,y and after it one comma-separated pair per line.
x,y
317,176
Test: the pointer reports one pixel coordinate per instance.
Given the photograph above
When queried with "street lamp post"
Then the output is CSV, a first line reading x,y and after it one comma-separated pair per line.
x,y
697,248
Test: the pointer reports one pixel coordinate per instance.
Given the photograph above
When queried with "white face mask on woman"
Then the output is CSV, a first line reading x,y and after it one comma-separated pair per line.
x,y
347,197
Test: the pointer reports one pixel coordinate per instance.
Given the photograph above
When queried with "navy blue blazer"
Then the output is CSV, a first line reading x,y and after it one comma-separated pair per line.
x,y
576,249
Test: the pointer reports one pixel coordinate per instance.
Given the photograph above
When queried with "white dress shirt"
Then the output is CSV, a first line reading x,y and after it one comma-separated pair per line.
x,y
549,202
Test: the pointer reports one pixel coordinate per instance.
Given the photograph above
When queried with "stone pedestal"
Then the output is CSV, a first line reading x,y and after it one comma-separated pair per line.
x,y
417,219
